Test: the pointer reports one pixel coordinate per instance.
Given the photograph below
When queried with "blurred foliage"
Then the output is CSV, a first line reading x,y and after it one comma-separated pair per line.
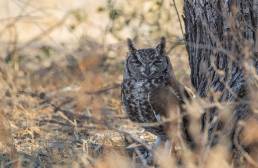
x,y
139,18
79,16
57,93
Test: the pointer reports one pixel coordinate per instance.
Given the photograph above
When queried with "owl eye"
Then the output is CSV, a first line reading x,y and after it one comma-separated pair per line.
x,y
136,62
158,62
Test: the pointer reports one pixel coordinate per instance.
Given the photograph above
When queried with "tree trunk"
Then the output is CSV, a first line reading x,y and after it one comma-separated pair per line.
x,y
221,40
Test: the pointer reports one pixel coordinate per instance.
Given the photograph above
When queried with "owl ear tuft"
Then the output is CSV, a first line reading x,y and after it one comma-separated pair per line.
x,y
161,46
130,45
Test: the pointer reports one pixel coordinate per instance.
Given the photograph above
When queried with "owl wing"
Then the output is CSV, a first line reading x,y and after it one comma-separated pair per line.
x,y
123,99
168,100
162,99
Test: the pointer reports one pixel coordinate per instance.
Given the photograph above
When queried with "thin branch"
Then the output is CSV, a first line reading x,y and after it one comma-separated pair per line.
x,y
44,33
104,90
248,158
178,17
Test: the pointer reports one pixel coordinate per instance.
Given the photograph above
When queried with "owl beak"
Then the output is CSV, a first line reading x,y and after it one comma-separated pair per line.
x,y
147,72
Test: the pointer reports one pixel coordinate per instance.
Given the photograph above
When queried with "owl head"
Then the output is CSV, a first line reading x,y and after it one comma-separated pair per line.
x,y
147,62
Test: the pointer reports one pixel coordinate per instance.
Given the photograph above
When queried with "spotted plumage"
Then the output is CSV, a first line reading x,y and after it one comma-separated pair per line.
x,y
149,87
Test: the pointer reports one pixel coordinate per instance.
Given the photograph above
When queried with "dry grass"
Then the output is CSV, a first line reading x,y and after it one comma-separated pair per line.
x,y
60,104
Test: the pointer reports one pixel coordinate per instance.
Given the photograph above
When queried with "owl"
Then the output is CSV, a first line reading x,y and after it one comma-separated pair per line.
x,y
149,88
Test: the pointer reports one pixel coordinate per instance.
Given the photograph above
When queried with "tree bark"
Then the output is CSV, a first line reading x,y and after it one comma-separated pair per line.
x,y
221,40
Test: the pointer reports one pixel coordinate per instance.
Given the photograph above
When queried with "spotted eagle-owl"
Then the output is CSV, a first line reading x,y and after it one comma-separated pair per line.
x,y
149,87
